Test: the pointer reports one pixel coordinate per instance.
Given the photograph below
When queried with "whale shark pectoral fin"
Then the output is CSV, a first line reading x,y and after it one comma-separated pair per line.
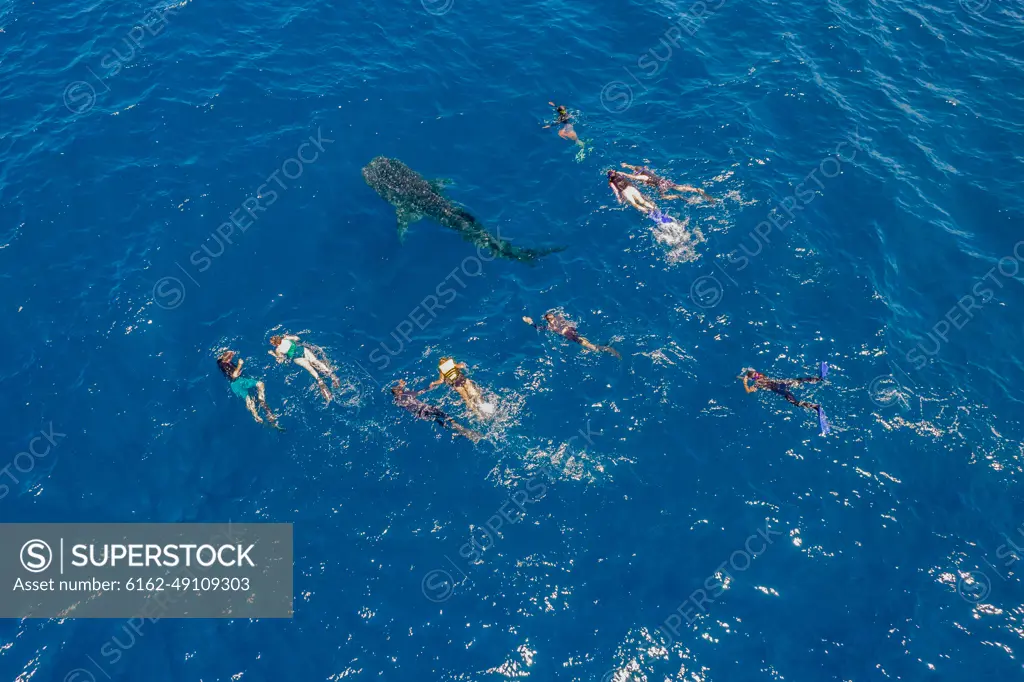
x,y
439,184
406,217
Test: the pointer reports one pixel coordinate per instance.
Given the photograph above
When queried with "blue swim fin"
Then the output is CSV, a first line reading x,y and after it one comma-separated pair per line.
x,y
824,370
657,216
823,422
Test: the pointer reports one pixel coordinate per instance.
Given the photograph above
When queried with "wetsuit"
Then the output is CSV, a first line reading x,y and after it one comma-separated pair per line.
x,y
782,388
407,401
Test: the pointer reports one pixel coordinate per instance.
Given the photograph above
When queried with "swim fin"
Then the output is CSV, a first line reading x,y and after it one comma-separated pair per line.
x,y
824,370
823,422
657,216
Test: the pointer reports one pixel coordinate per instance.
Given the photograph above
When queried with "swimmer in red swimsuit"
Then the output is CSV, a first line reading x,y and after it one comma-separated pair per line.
x,y
648,177
561,326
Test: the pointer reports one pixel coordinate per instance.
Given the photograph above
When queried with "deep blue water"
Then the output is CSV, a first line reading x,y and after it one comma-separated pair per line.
x,y
895,128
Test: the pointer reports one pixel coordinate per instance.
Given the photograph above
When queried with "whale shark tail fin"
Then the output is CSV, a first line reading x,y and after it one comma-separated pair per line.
x,y
526,255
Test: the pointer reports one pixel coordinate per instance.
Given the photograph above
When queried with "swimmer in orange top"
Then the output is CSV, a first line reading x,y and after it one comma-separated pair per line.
x,y
564,119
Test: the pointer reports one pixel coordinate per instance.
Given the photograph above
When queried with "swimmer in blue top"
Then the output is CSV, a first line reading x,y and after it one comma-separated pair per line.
x,y
564,119
781,386
287,348
251,390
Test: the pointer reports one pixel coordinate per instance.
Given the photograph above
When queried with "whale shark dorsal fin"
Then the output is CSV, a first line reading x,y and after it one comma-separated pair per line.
x,y
406,217
439,184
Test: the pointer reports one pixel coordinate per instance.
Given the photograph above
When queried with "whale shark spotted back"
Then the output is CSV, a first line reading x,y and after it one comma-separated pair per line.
x,y
414,198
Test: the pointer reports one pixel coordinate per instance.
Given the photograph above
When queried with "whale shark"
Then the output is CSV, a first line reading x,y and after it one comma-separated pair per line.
x,y
414,197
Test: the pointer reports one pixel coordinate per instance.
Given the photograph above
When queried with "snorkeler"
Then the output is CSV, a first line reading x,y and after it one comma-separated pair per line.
x,y
451,374
626,192
781,386
648,177
287,348
244,387
409,400
566,132
561,326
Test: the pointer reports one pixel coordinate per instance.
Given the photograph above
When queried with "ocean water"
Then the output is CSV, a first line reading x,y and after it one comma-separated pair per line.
x,y
634,520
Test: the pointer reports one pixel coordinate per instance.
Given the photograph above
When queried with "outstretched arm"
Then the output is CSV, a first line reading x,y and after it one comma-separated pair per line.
x,y
237,371
626,165
538,327
433,385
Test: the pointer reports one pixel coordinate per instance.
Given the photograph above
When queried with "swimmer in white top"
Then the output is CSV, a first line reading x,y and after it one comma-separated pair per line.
x,y
287,348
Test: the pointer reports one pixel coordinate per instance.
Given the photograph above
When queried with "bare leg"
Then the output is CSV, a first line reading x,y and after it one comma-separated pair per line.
x,y
593,346
694,190
471,396
322,366
642,205
462,430
305,364
251,405
262,397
